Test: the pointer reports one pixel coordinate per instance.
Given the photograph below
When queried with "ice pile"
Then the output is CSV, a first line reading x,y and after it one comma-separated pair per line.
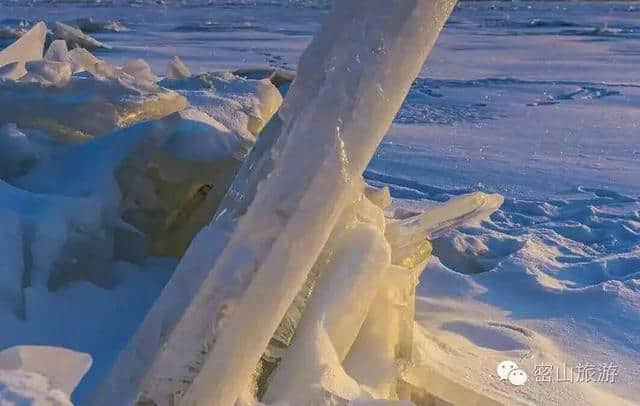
x,y
299,286
73,94
301,290
153,168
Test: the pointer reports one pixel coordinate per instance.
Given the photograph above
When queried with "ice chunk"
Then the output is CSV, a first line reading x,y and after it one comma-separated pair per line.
x,y
58,52
320,380
242,105
76,38
242,273
164,177
63,368
11,262
28,48
140,70
48,73
17,154
177,69
171,190
82,60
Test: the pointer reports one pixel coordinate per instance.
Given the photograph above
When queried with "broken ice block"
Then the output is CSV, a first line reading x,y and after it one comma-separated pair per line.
x,y
140,70
47,73
407,236
177,69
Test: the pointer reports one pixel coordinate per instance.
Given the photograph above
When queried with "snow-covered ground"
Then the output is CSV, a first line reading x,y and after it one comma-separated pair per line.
x,y
535,101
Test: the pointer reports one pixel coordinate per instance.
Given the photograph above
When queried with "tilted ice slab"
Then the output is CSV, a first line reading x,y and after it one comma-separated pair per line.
x,y
75,38
242,272
28,48
407,234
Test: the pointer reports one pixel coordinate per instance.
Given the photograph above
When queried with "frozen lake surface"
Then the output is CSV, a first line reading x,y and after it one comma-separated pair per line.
x,y
536,101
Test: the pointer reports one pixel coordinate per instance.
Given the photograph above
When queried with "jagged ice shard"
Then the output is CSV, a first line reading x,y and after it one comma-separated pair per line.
x,y
201,341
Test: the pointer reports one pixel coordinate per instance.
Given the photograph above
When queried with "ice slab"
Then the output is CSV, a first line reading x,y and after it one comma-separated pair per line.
x,y
408,235
29,47
58,52
165,177
75,38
